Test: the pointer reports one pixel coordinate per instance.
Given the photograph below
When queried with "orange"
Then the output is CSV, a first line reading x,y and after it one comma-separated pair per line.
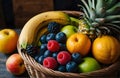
x,y
78,42
106,49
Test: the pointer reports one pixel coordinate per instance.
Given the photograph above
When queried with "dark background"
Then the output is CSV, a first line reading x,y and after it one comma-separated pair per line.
x,y
8,13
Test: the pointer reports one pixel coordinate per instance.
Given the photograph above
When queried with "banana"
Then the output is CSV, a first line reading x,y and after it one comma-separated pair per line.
x,y
33,27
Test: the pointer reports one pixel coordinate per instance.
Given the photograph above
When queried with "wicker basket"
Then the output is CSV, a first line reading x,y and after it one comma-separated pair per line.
x,y
36,70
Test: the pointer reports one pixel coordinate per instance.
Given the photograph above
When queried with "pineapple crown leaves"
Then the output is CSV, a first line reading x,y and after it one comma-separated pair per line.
x,y
102,14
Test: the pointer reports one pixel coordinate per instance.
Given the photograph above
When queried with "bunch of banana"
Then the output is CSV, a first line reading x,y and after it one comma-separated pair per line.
x,y
36,26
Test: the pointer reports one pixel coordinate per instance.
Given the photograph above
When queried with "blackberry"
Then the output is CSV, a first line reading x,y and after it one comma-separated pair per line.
x,y
53,27
31,50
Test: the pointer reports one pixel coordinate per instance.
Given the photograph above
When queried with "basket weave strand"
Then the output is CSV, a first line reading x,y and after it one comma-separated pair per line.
x,y
36,70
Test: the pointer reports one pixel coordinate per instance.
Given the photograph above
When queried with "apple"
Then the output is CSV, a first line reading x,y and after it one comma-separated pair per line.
x,y
79,42
89,64
8,40
15,64
69,30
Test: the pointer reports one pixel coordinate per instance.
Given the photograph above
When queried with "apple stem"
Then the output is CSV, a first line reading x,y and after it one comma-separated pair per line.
x,y
7,33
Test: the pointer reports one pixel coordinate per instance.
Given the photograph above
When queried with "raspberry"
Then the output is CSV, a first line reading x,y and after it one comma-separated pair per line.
x,y
53,45
63,57
50,62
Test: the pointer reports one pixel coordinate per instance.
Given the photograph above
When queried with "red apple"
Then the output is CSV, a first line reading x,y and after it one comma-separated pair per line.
x,y
8,40
15,64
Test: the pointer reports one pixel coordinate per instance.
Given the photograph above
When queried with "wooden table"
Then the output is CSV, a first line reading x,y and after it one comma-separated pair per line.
x,y
3,72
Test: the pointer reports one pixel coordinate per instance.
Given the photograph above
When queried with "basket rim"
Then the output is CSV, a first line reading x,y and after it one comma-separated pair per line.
x,y
30,61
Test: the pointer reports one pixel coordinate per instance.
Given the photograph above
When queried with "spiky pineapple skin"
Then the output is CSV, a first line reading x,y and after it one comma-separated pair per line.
x,y
100,17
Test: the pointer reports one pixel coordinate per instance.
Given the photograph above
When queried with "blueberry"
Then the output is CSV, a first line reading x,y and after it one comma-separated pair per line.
x,y
53,27
61,37
43,39
54,55
62,68
50,36
43,48
40,59
71,67
62,47
76,57
47,53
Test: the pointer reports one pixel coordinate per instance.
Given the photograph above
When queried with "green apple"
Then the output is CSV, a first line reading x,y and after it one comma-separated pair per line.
x,y
69,30
89,64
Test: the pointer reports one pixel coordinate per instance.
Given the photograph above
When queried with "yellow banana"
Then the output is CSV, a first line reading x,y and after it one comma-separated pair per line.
x,y
30,30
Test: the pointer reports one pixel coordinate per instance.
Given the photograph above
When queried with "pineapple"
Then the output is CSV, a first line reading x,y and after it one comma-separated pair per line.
x,y
100,17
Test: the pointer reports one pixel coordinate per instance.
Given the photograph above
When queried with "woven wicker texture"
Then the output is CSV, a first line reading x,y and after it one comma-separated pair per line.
x,y
35,70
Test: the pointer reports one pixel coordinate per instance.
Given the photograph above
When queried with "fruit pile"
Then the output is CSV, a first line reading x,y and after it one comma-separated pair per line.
x,y
53,53
54,50
61,42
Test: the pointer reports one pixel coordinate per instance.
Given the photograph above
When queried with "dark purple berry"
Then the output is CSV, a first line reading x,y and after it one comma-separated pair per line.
x,y
47,53
43,48
62,68
76,57
50,36
62,47
43,39
40,59
61,37
32,50
53,27
54,55
71,66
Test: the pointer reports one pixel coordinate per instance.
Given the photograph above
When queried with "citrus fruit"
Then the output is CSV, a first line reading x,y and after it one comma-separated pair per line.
x,y
78,42
106,49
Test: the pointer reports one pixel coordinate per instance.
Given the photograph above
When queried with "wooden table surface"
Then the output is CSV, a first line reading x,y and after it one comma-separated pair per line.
x,y
5,74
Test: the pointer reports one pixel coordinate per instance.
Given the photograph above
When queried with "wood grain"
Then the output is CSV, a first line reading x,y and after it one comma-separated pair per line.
x,y
25,9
